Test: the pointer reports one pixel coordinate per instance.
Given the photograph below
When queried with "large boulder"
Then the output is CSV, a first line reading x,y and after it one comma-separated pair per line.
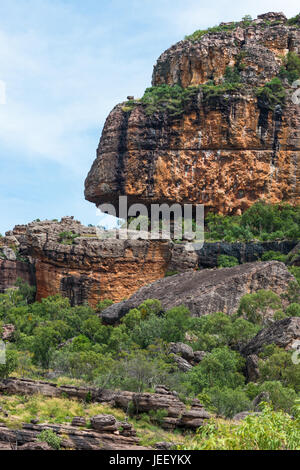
x,y
207,291
284,333
183,350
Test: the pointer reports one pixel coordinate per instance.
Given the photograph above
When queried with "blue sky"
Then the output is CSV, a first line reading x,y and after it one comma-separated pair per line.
x,y
66,63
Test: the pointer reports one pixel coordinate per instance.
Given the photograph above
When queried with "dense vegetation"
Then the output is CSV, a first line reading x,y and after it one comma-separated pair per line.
x,y
271,431
261,221
54,340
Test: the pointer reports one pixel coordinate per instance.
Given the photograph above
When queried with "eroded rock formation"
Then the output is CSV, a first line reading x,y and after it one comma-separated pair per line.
x,y
225,151
284,334
90,269
178,415
207,291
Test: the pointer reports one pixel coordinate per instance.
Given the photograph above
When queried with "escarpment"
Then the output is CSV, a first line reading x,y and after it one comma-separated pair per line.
x,y
73,260
215,129
81,263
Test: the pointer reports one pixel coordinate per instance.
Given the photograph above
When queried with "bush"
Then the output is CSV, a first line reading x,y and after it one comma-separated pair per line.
x,y
52,439
295,20
228,402
67,238
279,367
295,271
257,307
291,67
274,256
172,99
221,368
293,310
271,431
261,221
11,363
281,398
103,304
271,94
225,261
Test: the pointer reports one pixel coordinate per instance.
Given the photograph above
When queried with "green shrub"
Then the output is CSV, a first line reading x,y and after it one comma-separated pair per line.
x,y
255,307
261,221
274,256
279,367
228,402
225,261
291,67
157,416
221,368
11,362
295,20
271,94
51,438
293,310
295,271
232,75
281,397
67,238
172,99
103,304
271,431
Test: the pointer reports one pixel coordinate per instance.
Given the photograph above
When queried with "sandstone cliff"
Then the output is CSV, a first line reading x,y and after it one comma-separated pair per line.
x,y
86,268
225,148
83,267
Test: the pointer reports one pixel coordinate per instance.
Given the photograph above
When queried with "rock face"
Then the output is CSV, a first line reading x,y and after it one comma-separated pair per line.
x,y
10,271
207,291
91,269
177,414
71,438
225,151
285,334
87,270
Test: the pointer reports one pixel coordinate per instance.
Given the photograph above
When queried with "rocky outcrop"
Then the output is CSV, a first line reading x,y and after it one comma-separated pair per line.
x,y
10,271
71,438
284,334
184,356
252,368
224,148
294,256
177,414
207,291
90,266
85,267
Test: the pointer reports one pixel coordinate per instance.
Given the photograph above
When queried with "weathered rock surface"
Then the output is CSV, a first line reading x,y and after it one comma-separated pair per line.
x,y
227,151
294,256
90,269
178,415
7,332
252,369
183,349
208,291
10,271
71,438
284,333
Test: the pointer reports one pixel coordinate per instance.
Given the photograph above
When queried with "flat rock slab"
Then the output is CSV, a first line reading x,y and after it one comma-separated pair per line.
x,y
207,291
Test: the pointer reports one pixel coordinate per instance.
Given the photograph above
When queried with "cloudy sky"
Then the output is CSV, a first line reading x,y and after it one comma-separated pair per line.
x,y
65,64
